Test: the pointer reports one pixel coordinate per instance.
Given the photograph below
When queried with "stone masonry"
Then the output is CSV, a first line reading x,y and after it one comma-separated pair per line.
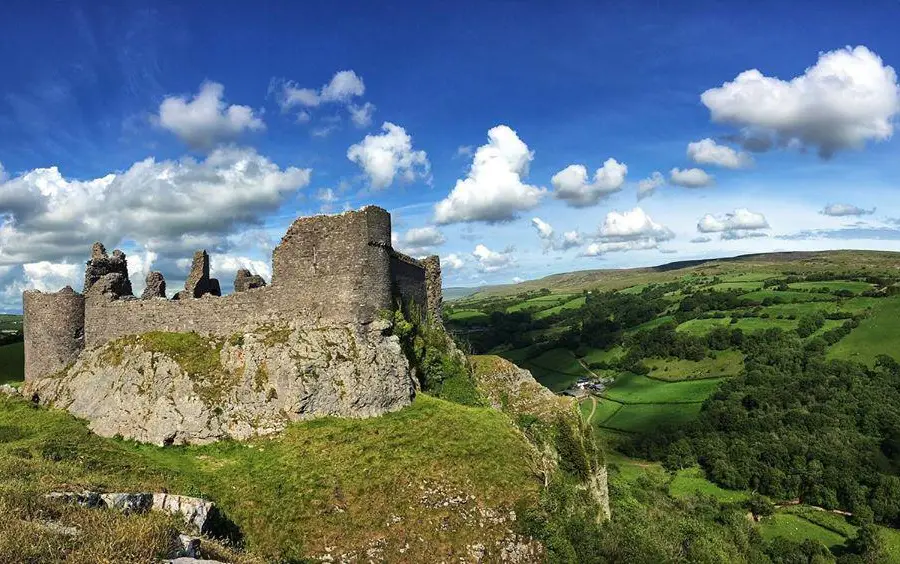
x,y
328,270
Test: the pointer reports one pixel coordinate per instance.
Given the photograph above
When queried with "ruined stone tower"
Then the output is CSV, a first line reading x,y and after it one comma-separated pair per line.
x,y
327,270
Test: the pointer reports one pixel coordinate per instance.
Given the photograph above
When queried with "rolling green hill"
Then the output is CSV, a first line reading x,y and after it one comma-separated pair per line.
x,y
663,343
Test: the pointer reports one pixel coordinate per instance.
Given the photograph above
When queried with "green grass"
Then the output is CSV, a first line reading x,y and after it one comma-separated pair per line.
x,y
605,409
12,363
468,316
632,388
571,304
877,334
787,296
833,285
637,289
556,369
599,355
645,418
797,529
702,326
540,302
321,483
9,321
746,286
655,322
726,363
691,481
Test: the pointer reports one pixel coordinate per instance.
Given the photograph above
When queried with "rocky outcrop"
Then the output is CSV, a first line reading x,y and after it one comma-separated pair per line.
x,y
154,286
246,281
167,388
113,269
514,390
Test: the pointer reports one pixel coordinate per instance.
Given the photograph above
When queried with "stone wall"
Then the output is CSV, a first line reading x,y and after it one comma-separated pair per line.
x,y
433,291
338,263
54,330
408,284
328,271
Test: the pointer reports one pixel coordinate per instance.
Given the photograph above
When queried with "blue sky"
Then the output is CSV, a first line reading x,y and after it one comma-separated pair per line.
x,y
175,126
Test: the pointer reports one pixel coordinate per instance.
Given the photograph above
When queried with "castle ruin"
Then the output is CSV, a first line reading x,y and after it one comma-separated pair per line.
x,y
199,366
328,269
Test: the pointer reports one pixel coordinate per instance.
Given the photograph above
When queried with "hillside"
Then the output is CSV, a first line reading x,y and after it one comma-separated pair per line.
x,y
613,279
699,365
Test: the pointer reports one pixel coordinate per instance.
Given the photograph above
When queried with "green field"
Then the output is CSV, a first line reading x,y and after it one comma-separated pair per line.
x,y
730,286
570,304
468,316
540,303
645,418
833,285
12,363
632,388
691,481
726,363
786,296
879,333
702,326
556,369
609,355
798,529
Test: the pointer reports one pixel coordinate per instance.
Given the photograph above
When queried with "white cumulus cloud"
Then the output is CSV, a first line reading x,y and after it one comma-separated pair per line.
x,y
847,98
168,207
553,240
452,262
491,261
706,151
361,116
343,87
388,155
739,224
627,231
206,120
690,178
493,191
572,186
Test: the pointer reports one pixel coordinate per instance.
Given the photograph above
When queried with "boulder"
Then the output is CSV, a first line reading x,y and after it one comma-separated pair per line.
x,y
7,390
155,286
128,502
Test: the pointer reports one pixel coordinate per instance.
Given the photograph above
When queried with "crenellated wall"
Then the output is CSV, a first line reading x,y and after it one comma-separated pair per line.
x,y
327,271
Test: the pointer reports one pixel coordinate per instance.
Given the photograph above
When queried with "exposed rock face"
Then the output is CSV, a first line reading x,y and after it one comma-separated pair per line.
x,y
102,265
515,391
155,286
178,388
246,281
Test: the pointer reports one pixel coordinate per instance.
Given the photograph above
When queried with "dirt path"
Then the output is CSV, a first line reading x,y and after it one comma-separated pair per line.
x,y
593,409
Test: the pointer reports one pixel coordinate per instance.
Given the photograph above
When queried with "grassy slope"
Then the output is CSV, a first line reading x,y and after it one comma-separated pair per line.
x,y
748,268
632,388
877,334
726,363
329,482
12,363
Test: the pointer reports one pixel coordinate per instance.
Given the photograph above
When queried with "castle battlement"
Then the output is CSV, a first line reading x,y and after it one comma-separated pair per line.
x,y
328,270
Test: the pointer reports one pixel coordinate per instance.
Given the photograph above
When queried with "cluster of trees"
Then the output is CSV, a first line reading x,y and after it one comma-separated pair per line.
x,y
795,426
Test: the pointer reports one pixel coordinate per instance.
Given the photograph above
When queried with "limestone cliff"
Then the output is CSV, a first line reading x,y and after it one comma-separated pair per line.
x,y
515,391
174,388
